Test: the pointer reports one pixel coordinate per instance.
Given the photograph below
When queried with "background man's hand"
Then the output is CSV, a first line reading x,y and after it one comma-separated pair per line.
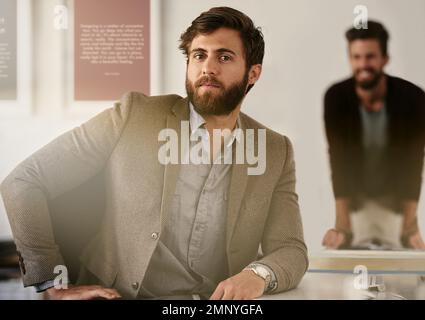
x,y
413,240
341,235
411,236
335,239
82,293
245,285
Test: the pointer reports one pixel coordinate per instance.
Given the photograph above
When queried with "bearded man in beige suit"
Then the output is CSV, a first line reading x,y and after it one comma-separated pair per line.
x,y
173,229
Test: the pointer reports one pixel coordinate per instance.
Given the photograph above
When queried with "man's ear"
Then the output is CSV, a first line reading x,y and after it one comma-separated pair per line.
x,y
386,60
254,73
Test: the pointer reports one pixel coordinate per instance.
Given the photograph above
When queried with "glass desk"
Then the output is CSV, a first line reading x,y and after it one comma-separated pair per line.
x,y
356,274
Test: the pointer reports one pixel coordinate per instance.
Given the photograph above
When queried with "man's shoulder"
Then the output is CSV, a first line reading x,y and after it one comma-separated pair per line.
x,y
348,85
341,87
137,102
158,103
400,84
340,97
251,123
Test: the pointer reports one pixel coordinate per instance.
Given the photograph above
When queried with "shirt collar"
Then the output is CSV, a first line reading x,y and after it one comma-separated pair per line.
x,y
197,122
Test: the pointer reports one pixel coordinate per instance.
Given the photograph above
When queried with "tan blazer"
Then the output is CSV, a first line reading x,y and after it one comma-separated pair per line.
x,y
123,142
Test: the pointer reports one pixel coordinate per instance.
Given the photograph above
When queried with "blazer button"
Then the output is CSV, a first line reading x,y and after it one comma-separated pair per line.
x,y
154,235
135,285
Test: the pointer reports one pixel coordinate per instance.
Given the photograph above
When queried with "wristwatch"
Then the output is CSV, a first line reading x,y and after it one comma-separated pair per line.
x,y
263,273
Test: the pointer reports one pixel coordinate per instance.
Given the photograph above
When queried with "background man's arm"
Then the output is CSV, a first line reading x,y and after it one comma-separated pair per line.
x,y
340,235
411,182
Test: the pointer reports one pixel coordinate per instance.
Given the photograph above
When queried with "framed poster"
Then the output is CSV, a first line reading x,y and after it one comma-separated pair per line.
x,y
111,45
15,57
8,50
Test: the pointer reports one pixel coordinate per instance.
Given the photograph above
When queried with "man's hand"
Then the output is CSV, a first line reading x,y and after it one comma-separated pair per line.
x,y
411,236
341,235
82,293
335,239
245,285
413,240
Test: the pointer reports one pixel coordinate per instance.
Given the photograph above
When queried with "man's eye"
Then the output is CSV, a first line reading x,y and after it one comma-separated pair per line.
x,y
198,56
225,58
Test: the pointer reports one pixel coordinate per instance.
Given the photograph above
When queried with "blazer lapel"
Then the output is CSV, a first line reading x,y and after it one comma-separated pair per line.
x,y
238,183
179,113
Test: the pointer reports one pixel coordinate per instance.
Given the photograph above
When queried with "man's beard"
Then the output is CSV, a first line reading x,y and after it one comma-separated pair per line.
x,y
216,104
372,83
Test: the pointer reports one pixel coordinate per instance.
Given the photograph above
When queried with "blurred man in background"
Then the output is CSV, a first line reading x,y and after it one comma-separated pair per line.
x,y
375,126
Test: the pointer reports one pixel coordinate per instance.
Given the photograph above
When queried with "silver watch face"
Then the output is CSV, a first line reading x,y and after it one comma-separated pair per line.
x,y
263,272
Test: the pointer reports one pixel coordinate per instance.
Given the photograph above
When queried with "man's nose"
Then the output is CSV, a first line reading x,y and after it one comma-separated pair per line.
x,y
364,63
209,67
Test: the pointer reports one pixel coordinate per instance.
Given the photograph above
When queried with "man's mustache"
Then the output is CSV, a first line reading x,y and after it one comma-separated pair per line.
x,y
208,80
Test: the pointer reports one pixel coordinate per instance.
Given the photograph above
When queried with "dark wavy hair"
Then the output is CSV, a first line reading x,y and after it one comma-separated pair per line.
x,y
375,30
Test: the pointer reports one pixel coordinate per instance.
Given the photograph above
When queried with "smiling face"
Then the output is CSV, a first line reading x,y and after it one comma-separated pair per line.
x,y
217,76
367,62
